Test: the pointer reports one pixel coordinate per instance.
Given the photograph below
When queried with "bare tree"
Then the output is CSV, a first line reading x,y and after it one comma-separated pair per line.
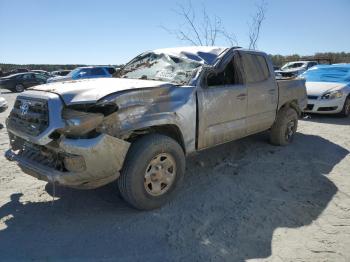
x,y
256,23
203,31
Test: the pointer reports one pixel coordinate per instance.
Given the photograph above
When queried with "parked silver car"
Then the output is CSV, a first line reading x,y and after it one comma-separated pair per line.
x,y
3,103
328,89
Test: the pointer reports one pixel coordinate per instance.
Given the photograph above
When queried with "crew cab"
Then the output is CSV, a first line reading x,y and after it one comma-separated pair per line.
x,y
138,126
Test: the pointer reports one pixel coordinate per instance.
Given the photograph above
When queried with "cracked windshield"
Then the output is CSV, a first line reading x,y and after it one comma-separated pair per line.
x,y
161,67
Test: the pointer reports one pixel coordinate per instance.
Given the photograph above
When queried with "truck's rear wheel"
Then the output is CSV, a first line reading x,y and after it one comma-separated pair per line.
x,y
285,127
152,171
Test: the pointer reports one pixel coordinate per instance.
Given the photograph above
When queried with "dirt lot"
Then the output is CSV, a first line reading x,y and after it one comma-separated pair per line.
x,y
246,200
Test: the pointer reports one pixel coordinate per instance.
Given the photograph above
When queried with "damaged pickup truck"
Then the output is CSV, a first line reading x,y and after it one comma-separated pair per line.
x,y
138,127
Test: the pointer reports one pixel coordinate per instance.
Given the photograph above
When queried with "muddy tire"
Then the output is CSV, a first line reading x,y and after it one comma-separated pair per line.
x,y
285,127
153,170
346,108
19,88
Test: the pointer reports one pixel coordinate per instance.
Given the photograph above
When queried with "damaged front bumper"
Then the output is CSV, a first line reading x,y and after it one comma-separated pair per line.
x,y
77,163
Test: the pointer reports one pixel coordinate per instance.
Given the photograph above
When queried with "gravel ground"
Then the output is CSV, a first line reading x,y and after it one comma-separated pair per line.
x,y
246,200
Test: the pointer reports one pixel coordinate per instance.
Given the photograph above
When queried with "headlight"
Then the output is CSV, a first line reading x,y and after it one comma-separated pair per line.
x,y
332,95
79,123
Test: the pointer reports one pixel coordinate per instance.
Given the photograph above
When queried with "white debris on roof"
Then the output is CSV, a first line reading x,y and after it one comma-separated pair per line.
x,y
202,54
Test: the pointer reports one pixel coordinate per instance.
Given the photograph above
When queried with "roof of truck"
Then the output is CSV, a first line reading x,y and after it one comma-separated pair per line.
x,y
202,54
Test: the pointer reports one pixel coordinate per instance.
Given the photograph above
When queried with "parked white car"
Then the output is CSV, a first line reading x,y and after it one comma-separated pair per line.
x,y
3,104
328,89
294,69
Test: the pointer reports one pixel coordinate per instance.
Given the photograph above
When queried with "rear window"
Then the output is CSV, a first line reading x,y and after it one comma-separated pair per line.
x,y
255,67
28,76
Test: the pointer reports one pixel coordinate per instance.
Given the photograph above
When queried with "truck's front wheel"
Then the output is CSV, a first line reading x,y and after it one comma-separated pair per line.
x,y
152,171
285,127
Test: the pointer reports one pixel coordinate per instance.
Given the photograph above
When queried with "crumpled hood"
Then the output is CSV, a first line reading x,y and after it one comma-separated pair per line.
x,y
91,90
319,88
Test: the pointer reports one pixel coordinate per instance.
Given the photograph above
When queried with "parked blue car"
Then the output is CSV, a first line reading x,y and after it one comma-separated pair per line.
x,y
85,73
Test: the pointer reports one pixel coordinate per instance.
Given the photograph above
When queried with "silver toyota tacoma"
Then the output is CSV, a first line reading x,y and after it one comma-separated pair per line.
x,y
138,126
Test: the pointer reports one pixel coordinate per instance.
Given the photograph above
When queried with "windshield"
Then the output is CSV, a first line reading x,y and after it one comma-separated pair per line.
x,y
161,67
328,74
79,71
74,72
292,66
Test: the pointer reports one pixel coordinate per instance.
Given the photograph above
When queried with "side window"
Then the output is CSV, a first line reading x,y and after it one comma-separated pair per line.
x,y
84,72
255,67
97,71
40,77
230,76
27,77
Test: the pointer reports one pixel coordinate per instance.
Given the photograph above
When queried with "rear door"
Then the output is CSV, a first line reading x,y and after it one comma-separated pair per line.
x,y
29,80
40,79
262,92
222,105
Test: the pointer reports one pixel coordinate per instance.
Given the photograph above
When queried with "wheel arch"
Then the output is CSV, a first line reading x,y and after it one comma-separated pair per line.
x,y
291,104
170,130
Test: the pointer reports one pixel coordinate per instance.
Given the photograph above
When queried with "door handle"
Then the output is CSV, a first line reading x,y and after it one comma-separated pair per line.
x,y
272,91
241,96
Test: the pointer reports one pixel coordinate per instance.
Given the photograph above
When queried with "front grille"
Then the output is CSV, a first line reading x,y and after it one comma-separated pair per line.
x,y
324,109
309,107
288,74
312,97
29,116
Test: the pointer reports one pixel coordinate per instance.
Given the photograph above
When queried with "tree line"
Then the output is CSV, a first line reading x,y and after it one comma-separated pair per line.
x,y
324,58
278,60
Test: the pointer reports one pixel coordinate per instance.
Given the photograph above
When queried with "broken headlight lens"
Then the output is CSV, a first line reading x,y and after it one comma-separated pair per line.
x,y
332,95
79,123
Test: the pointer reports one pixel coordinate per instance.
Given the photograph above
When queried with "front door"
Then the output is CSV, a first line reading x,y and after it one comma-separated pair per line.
x,y
222,105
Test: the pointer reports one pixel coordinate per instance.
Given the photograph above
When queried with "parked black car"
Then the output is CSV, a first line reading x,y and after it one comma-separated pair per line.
x,y
20,82
14,71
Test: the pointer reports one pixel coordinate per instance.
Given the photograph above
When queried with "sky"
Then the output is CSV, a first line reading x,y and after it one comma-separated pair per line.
x,y
113,32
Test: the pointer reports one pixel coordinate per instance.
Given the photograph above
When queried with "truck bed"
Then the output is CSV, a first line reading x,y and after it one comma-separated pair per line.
x,y
292,88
